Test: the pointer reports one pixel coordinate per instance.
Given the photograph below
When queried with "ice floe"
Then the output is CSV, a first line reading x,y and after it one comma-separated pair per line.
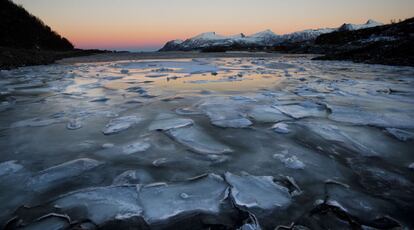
x,y
37,122
400,134
101,205
302,110
196,140
258,193
290,161
170,123
9,167
267,114
74,124
281,127
133,177
120,124
225,115
53,176
166,202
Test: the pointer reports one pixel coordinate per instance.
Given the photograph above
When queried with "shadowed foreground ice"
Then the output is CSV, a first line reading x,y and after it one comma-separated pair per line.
x,y
248,143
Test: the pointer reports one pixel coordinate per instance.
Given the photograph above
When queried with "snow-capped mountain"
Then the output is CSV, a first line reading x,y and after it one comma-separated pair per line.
x,y
208,39
370,23
304,35
265,38
261,39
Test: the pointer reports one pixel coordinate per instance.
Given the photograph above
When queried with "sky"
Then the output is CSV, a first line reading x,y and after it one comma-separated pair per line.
x,y
144,25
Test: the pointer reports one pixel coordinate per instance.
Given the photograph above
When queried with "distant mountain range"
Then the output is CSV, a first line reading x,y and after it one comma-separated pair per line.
x,y
267,38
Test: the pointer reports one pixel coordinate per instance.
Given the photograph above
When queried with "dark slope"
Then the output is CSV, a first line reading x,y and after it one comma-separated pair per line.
x,y
20,29
391,44
26,40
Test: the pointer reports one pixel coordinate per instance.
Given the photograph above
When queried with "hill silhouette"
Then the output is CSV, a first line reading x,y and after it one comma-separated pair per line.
x,y
26,40
20,29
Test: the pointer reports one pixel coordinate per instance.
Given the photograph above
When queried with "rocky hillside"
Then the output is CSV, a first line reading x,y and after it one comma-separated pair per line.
x,y
20,29
26,40
389,44
265,40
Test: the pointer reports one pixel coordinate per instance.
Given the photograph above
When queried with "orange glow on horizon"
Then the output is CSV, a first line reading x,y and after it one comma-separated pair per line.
x,y
140,23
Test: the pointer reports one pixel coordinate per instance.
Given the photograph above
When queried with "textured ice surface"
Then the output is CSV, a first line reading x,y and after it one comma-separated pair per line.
x,y
135,147
133,177
203,195
120,124
290,161
351,137
170,123
225,113
281,128
53,176
258,192
50,222
400,134
305,109
74,124
367,116
347,122
196,140
9,167
267,114
181,66
37,122
101,205
126,149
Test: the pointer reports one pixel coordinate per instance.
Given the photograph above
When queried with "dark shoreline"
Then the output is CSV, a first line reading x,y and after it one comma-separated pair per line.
x,y
11,58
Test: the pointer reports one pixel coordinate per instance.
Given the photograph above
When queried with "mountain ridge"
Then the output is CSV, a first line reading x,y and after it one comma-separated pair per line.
x,y
259,39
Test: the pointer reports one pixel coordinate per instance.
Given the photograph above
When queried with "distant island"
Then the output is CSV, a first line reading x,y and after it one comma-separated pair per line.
x,y
26,40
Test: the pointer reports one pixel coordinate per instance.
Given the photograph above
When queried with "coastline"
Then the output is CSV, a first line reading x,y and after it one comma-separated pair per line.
x,y
121,56
11,58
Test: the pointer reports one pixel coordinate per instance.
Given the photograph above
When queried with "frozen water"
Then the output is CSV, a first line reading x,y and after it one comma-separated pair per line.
x,y
74,124
135,147
196,140
101,205
37,122
202,195
267,114
305,109
9,167
225,113
232,123
51,222
281,128
290,161
366,116
170,123
400,134
133,177
339,121
125,149
53,176
192,67
120,124
257,192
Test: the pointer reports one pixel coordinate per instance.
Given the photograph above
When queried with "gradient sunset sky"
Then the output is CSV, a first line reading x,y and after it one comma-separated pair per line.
x,y
148,24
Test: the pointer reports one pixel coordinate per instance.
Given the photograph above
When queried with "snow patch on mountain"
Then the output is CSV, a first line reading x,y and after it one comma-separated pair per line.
x,y
260,39
369,24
